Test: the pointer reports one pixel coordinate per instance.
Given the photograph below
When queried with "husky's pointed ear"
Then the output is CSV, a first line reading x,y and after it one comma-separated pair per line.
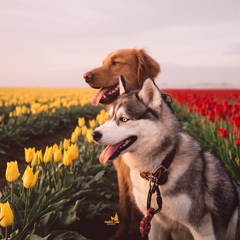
x,y
123,86
150,94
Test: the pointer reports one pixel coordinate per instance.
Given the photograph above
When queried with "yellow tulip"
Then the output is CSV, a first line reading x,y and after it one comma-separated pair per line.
x,y
55,146
48,155
102,117
89,135
74,137
29,154
81,122
77,131
57,156
12,172
6,215
60,145
40,156
74,151
35,161
29,178
18,111
92,123
84,130
66,143
11,114
67,157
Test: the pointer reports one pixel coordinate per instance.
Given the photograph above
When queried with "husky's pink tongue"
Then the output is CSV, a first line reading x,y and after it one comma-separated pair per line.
x,y
98,96
108,152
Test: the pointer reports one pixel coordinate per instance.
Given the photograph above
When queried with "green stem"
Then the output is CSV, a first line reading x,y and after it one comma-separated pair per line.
x,y
27,203
48,173
6,233
65,177
11,192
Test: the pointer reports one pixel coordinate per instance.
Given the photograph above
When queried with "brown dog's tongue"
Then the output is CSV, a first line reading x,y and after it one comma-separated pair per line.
x,y
98,96
108,152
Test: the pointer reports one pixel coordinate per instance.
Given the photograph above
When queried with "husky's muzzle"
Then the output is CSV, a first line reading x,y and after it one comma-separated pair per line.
x,y
112,152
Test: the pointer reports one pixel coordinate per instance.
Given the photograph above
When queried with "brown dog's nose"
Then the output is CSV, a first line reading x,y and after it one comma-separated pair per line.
x,y
96,135
88,76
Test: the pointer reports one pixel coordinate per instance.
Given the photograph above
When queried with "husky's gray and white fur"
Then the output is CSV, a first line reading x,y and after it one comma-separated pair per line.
x,y
199,199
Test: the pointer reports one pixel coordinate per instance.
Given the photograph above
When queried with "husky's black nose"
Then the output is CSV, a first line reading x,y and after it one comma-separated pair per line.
x,y
96,135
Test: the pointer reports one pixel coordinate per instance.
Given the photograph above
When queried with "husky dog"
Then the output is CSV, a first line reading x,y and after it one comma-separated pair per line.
x,y
199,199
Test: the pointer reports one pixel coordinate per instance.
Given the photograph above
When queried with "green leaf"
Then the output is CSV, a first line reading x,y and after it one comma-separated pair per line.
x,y
76,207
57,195
37,207
98,176
55,206
47,221
66,218
18,220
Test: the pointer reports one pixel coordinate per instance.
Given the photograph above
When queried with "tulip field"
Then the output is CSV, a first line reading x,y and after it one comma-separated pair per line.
x,y
61,191
213,118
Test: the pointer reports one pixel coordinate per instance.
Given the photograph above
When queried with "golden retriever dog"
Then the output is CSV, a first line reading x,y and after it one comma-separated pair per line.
x,y
135,65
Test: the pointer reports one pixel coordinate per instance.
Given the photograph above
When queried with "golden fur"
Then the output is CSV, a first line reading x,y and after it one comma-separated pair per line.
x,y
135,65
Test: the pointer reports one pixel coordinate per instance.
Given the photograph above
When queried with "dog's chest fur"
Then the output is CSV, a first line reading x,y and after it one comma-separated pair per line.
x,y
172,204
183,198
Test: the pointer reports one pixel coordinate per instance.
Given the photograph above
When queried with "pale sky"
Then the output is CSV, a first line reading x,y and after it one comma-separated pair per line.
x,y
52,43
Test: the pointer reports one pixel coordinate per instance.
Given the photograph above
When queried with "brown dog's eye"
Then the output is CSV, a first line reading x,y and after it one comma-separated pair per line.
x,y
115,62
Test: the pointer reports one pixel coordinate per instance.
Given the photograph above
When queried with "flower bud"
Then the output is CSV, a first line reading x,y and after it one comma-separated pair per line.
x,y
89,135
77,131
74,151
84,130
81,122
67,157
6,215
40,156
12,171
92,123
57,156
35,160
29,178
48,155
29,154
74,137
66,143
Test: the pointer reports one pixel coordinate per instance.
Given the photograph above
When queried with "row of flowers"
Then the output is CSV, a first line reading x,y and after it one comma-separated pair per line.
x,y
213,117
41,110
14,103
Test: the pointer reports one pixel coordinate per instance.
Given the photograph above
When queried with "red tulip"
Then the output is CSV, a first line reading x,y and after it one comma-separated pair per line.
x,y
235,121
223,132
211,116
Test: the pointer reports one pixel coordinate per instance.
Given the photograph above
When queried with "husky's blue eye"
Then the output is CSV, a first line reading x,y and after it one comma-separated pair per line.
x,y
123,119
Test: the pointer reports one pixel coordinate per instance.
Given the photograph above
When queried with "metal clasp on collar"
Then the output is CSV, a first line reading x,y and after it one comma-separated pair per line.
x,y
155,175
152,189
157,169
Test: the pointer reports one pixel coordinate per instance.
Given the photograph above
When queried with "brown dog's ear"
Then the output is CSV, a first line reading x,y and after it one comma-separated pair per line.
x,y
147,66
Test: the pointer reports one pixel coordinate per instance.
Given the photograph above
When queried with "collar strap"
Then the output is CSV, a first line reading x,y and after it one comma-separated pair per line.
x,y
160,175
167,98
